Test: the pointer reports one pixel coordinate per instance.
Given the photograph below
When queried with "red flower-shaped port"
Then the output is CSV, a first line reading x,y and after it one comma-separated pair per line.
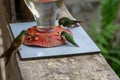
x,y
45,39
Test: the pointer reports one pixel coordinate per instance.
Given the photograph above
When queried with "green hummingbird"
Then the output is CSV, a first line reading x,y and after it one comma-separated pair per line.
x,y
69,38
67,22
14,46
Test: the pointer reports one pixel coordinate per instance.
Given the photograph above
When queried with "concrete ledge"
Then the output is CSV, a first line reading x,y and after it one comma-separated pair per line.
x,y
84,67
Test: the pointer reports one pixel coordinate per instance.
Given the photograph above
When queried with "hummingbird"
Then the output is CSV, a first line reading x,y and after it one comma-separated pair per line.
x,y
67,22
14,46
69,38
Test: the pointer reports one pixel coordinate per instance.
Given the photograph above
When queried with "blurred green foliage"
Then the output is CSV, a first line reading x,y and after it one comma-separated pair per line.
x,y
104,34
109,9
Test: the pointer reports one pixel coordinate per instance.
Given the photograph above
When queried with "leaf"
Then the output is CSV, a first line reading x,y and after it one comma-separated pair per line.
x,y
113,59
93,30
104,51
100,39
107,35
109,10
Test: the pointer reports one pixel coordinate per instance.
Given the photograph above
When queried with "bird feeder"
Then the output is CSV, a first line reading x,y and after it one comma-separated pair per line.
x,y
45,33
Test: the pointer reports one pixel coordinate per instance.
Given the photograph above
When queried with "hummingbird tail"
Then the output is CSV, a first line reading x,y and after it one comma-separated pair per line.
x,y
75,44
4,54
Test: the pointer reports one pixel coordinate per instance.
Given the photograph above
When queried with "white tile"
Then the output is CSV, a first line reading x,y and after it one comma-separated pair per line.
x,y
87,46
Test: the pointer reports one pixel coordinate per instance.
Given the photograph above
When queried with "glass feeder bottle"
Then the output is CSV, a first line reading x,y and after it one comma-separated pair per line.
x,y
44,12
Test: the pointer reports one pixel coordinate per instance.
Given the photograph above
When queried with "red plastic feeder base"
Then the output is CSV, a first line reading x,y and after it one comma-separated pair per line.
x,y
45,39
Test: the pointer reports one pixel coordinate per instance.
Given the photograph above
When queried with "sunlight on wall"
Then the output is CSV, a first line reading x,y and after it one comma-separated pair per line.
x,y
2,65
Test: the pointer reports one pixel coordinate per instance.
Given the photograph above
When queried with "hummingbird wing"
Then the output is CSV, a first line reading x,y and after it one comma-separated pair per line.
x,y
8,53
69,38
75,23
13,47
